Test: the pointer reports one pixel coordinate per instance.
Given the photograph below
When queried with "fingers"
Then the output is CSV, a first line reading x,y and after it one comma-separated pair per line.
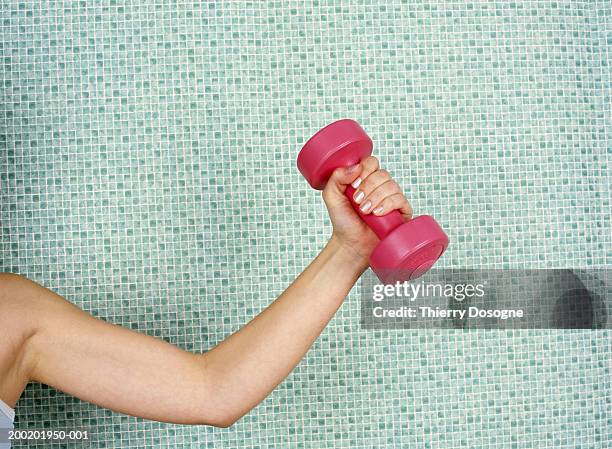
x,y
375,180
379,194
376,192
340,178
368,166
395,201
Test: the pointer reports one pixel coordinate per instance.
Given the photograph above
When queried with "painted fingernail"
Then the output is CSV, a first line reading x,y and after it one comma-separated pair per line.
x,y
366,207
356,183
359,196
378,210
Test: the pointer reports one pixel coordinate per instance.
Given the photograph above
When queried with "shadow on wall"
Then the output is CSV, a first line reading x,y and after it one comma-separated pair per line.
x,y
580,308
568,299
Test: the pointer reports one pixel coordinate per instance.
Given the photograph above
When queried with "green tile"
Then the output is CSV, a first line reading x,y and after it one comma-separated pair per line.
x,y
147,173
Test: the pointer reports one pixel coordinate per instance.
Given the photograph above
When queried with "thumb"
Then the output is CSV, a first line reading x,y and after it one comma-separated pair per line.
x,y
339,179
343,176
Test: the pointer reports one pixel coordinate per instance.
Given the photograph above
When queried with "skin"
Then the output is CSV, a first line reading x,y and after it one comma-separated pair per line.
x,y
49,340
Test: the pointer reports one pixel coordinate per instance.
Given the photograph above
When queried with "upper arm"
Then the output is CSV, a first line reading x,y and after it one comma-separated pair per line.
x,y
114,367
16,328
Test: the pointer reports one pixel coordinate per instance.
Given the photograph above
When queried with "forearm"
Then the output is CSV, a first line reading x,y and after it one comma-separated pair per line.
x,y
247,366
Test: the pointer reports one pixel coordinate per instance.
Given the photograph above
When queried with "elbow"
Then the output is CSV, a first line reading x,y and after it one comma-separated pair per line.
x,y
225,422
221,404
220,420
221,415
218,410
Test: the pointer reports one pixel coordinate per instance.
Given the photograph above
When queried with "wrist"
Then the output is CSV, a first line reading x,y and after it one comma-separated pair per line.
x,y
347,254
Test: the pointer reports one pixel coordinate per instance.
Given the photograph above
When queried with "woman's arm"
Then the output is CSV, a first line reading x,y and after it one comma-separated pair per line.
x,y
128,372
132,373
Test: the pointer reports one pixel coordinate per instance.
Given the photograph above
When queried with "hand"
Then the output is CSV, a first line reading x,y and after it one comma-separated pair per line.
x,y
377,193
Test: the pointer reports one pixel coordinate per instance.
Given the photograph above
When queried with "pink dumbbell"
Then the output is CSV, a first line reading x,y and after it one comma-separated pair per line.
x,y
407,249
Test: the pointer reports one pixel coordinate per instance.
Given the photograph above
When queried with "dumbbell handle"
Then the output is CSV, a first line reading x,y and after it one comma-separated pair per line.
x,y
381,225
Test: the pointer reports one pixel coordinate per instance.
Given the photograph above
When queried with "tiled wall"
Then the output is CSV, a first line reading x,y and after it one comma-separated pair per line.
x,y
147,174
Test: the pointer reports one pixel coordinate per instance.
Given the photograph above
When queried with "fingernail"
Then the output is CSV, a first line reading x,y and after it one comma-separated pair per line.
x,y
352,168
378,210
359,196
356,183
366,207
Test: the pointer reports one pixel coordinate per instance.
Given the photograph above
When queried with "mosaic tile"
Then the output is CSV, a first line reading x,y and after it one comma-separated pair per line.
x,y
147,173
